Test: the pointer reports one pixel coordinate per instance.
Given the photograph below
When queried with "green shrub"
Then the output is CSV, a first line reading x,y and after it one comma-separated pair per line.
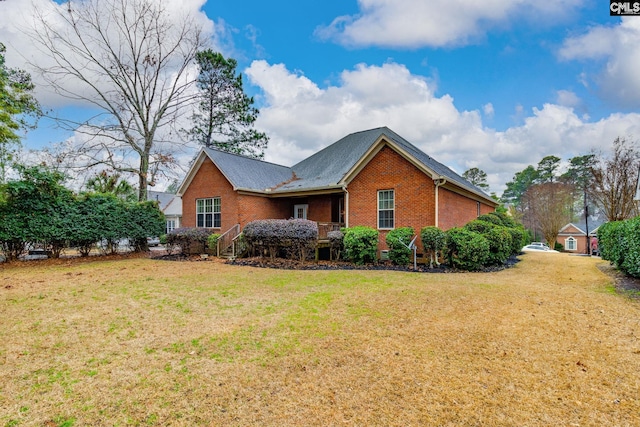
x,y
518,236
142,220
490,217
433,241
361,244
212,243
466,249
498,236
611,242
398,240
631,237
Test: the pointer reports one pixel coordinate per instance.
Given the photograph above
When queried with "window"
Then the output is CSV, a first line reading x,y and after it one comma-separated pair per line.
x,y
300,211
171,225
478,208
208,213
385,209
571,244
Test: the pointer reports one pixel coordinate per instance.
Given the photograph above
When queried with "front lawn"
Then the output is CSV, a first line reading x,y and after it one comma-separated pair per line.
x,y
148,342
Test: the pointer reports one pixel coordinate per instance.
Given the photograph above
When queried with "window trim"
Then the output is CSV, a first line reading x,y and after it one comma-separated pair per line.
x,y
215,215
392,209
574,242
170,225
305,210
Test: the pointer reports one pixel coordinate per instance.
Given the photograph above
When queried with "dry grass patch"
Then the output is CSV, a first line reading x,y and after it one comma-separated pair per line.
x,y
144,342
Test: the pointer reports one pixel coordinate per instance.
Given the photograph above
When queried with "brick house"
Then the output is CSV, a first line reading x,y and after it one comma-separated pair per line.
x,y
573,236
374,178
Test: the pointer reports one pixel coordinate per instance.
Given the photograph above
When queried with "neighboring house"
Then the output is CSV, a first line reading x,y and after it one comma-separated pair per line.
x,y
171,206
374,178
573,236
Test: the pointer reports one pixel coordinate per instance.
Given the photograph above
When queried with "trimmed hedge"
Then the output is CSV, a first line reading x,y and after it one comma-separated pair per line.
x,y
189,239
498,236
361,244
619,243
38,211
398,239
466,249
612,243
292,237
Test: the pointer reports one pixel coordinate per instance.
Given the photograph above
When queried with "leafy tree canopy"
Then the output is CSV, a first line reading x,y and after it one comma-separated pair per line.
x,y
112,184
17,105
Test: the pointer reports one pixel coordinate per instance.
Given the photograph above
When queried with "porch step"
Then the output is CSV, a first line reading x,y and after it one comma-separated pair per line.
x,y
228,254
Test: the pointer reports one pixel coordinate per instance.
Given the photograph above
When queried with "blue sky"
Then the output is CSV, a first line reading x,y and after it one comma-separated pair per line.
x,y
496,84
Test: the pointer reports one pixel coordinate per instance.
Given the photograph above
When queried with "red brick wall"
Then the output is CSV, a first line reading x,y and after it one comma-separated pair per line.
x,y
251,208
413,193
457,210
319,208
209,182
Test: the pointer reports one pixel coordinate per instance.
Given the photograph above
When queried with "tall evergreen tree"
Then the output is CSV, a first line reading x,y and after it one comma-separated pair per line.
x,y
477,177
547,168
225,115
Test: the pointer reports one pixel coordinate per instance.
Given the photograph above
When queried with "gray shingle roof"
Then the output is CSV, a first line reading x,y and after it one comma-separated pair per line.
x,y
161,197
324,169
247,173
582,225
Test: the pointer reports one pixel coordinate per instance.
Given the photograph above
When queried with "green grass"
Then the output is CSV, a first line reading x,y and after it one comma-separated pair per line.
x,y
205,344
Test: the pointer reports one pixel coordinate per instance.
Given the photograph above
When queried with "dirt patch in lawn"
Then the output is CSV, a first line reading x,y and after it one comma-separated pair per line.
x,y
145,342
624,284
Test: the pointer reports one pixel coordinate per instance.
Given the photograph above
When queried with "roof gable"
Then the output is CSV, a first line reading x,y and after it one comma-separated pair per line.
x,y
243,173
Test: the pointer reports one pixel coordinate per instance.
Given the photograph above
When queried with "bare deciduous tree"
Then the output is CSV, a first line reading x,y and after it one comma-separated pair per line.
x,y
614,180
550,205
130,61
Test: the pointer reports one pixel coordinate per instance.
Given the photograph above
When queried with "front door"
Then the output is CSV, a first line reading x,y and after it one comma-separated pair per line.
x,y
300,211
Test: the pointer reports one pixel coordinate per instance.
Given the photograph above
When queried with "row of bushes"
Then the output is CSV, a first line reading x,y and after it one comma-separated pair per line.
x,y
489,240
38,211
619,243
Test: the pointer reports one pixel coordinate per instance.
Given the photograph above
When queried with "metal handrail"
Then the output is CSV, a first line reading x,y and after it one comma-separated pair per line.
x,y
226,239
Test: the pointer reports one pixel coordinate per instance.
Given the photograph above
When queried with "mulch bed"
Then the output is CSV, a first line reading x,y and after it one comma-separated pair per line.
x,y
288,264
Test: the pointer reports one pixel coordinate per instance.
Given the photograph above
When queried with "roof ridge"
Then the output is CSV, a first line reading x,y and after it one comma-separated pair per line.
x,y
246,157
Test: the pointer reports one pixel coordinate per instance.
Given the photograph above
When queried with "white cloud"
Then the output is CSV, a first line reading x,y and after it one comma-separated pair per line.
x,y
618,46
488,110
568,98
417,23
301,118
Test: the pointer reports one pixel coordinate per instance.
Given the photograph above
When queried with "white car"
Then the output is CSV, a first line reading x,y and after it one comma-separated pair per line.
x,y
538,247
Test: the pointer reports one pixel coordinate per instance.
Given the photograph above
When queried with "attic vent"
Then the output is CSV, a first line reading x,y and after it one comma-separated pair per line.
x,y
384,255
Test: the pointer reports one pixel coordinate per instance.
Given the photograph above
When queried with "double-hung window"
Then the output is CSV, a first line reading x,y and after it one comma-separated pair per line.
x,y
385,209
571,244
208,213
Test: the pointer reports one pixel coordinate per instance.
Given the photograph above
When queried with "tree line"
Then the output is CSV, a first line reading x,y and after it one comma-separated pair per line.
x,y
38,212
594,184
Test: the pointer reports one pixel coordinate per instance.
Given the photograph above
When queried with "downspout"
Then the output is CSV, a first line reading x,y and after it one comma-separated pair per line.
x,y
438,182
346,207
